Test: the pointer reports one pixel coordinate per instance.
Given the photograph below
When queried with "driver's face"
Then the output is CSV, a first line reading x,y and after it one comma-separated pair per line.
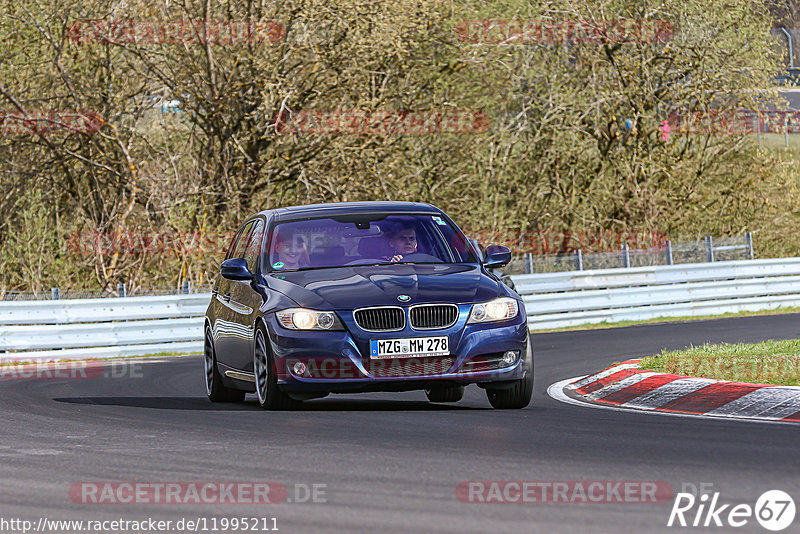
x,y
405,242
291,251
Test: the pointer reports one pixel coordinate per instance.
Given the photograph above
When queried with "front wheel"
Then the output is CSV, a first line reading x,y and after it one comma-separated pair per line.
x,y
519,395
214,388
269,396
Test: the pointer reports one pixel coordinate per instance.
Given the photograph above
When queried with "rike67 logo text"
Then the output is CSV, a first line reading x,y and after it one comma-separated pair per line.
x,y
774,510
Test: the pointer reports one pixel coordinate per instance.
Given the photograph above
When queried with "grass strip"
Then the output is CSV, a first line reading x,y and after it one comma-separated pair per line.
x,y
768,362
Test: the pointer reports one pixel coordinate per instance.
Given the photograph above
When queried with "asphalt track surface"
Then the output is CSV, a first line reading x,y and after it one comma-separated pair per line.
x,y
390,462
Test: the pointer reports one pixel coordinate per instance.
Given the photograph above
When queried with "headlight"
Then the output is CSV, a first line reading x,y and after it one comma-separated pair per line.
x,y
302,319
499,309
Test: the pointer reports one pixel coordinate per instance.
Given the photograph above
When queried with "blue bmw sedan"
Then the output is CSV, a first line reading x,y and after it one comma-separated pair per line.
x,y
363,296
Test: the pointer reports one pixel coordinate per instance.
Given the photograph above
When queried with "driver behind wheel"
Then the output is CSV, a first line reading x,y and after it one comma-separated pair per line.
x,y
291,252
402,241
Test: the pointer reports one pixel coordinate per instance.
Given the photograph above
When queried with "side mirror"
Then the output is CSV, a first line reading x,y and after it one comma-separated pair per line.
x,y
496,256
235,269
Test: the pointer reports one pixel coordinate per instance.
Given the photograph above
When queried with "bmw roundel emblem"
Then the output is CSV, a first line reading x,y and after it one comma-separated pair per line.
x,y
403,298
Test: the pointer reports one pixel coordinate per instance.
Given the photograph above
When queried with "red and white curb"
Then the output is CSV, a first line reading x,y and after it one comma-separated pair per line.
x,y
625,386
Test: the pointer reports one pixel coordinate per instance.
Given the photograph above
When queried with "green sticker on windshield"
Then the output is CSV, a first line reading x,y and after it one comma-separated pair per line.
x,y
277,265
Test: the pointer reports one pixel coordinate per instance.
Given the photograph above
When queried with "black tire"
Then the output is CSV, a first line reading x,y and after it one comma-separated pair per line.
x,y
519,395
214,388
267,392
445,394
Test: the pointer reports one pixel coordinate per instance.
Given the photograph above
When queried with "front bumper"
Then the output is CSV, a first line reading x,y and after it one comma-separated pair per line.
x,y
340,361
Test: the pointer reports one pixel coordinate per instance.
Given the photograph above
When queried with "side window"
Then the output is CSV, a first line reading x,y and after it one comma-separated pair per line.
x,y
241,241
254,245
232,246
431,242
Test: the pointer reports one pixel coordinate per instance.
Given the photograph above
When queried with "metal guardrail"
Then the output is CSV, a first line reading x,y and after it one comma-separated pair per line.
x,y
708,249
121,290
101,328
557,300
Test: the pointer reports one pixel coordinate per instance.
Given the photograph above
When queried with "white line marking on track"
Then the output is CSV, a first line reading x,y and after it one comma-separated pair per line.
x,y
556,391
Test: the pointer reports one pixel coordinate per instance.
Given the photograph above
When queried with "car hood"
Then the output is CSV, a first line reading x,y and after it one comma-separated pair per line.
x,y
358,286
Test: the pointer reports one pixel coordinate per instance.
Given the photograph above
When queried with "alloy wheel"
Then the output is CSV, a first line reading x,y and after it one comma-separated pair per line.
x,y
261,367
208,358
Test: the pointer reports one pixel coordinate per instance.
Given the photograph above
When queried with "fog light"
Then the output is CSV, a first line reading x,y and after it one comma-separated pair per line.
x,y
299,368
509,357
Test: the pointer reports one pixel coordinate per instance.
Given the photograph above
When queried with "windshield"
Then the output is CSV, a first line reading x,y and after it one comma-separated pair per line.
x,y
365,240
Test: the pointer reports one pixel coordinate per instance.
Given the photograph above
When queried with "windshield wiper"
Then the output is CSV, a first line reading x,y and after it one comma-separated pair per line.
x,y
415,263
306,269
389,263
357,265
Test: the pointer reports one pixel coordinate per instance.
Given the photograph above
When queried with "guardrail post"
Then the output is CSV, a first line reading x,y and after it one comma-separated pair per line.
x,y
626,256
579,259
668,252
758,129
528,263
748,239
121,290
709,248
55,293
187,286
786,128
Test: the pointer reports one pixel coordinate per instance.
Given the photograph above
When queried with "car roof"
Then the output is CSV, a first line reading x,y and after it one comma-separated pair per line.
x,y
348,208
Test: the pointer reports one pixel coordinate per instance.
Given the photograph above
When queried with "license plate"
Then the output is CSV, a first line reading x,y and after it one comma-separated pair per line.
x,y
414,347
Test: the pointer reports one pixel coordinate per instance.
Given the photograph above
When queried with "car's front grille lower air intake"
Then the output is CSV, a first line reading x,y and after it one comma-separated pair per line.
x,y
434,366
433,316
380,319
